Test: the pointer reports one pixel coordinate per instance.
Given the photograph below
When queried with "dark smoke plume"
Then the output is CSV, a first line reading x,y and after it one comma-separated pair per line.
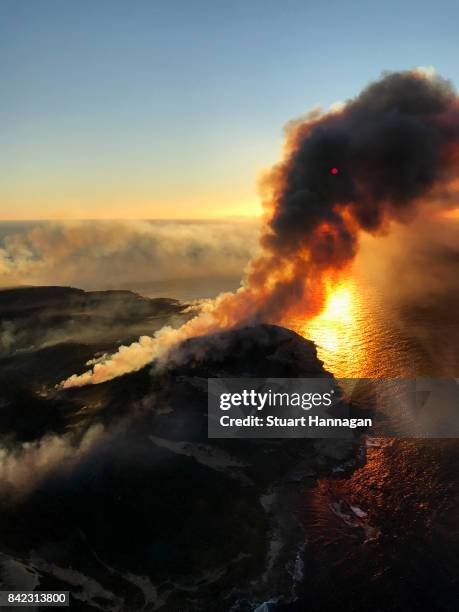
x,y
390,147
375,161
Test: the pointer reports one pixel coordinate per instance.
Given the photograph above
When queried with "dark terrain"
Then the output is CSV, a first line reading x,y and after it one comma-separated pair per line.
x,y
114,491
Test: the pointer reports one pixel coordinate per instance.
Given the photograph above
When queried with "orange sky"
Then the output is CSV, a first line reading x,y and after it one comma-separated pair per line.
x,y
119,207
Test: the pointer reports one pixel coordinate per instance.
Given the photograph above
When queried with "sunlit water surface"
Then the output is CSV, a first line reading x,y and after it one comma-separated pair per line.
x,y
357,336
391,529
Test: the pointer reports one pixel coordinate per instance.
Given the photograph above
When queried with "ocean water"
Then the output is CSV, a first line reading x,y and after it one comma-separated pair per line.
x,y
364,334
386,537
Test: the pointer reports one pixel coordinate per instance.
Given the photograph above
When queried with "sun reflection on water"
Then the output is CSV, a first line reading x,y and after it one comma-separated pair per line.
x,y
345,331
357,334
331,327
334,330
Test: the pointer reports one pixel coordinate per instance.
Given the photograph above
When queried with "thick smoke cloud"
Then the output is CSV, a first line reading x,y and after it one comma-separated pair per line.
x,y
390,146
394,148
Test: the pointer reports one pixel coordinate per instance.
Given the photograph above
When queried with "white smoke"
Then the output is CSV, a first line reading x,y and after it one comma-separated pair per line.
x,y
150,348
23,467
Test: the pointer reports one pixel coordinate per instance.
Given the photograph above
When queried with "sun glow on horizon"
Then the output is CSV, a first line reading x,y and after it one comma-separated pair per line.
x,y
205,209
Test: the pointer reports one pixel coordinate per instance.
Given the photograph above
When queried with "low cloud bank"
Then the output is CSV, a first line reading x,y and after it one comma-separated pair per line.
x,y
116,254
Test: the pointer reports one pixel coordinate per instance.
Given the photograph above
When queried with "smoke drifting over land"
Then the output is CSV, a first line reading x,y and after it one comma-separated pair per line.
x,y
394,148
24,466
123,254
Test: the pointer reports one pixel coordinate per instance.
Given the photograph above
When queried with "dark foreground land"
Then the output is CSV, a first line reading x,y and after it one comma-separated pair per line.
x,y
114,492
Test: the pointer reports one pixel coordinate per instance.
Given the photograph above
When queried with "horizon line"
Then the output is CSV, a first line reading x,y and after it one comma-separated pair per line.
x,y
102,219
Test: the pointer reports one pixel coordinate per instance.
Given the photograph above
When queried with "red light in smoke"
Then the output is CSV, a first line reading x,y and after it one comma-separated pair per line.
x,y
334,170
